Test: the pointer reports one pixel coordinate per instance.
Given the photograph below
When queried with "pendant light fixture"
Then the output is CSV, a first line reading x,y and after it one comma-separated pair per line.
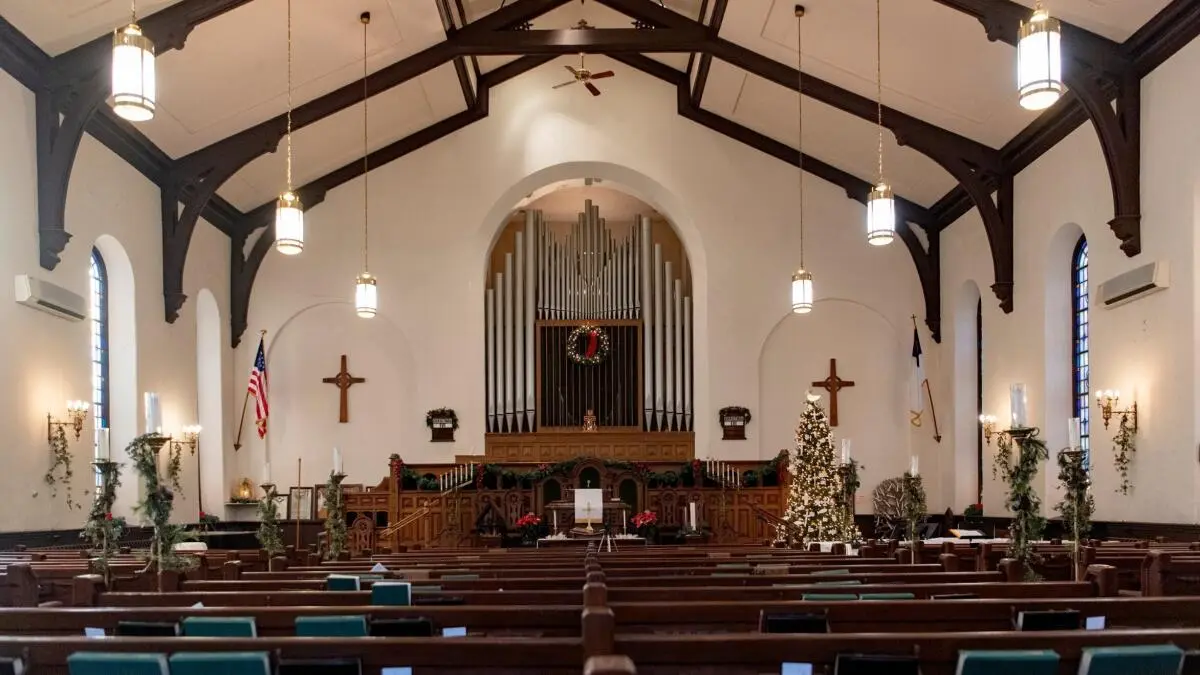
x,y
133,85
802,280
289,212
366,290
1039,60
881,205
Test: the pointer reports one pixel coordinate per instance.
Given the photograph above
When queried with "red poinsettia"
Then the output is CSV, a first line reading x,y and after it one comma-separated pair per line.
x,y
201,515
108,516
644,518
529,520
478,468
397,466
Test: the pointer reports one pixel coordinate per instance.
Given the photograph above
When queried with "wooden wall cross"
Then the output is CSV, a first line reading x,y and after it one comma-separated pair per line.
x,y
344,381
833,384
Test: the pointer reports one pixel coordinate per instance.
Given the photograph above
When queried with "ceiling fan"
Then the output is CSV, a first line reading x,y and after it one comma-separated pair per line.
x,y
582,74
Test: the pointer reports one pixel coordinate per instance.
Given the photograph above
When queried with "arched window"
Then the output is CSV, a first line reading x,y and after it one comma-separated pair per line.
x,y
1079,345
100,389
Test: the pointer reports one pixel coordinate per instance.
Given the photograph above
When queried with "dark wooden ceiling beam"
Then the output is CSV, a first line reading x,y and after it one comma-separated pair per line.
x,y
977,167
244,267
1096,70
705,64
450,24
196,177
926,262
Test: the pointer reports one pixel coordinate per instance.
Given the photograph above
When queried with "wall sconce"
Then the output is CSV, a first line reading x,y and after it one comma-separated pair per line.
x,y
191,438
76,414
989,427
1110,399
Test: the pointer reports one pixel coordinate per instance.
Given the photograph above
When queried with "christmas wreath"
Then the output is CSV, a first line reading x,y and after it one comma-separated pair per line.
x,y
594,348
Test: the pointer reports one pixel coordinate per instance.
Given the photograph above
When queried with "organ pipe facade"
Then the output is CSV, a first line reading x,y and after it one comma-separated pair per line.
x,y
554,288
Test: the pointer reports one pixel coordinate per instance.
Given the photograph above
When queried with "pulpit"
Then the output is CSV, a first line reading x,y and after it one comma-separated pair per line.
x,y
612,517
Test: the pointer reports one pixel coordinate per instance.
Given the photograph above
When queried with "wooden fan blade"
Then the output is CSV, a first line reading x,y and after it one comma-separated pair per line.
x,y
592,88
602,75
573,71
564,84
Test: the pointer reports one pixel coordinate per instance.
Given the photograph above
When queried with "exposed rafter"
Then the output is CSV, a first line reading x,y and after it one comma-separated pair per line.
x,y
1097,71
702,68
450,24
926,262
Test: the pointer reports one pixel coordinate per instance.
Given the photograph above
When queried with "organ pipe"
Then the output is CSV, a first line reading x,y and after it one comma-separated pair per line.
x,y
489,330
677,408
519,333
506,329
648,315
531,226
659,324
669,346
687,363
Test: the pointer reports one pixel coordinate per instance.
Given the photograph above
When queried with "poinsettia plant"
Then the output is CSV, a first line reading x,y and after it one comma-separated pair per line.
x,y
644,518
529,520
973,511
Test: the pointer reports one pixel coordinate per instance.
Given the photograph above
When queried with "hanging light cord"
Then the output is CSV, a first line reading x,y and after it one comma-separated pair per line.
x,y
289,96
879,80
800,119
133,11
366,165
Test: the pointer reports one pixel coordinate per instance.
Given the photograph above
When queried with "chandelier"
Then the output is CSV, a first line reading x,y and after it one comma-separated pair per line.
x,y
1039,60
881,206
366,288
802,281
133,86
289,212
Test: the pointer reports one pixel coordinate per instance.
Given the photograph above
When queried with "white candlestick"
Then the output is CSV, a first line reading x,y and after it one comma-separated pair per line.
x,y
1017,404
1073,434
692,512
103,451
845,451
153,413
555,514
337,460
912,466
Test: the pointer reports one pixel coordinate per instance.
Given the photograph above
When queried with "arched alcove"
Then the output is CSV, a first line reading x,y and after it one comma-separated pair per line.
x,y
210,403
124,398
1059,399
870,351
966,395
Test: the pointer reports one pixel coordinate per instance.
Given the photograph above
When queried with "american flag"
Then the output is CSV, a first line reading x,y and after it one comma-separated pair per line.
x,y
258,389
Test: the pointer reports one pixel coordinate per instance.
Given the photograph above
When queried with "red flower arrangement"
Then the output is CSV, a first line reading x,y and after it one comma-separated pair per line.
x,y
478,468
397,466
697,471
529,520
644,518
108,516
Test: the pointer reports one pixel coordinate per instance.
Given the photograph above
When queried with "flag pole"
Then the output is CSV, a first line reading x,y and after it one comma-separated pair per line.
x,y
237,442
937,435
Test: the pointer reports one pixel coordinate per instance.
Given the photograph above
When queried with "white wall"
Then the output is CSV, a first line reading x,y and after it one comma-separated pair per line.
x,y
1145,349
47,360
435,214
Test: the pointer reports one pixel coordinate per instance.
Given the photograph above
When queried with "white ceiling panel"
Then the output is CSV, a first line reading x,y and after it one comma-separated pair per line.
x,y
489,63
1114,19
61,25
677,61
838,139
337,140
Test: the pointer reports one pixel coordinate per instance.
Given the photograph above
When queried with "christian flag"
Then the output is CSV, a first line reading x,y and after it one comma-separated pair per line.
x,y
258,389
916,386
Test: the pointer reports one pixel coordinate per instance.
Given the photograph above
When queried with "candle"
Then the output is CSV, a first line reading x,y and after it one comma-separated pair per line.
x,y
153,414
103,452
266,473
1017,403
692,513
337,460
912,466
1073,433
845,451
555,514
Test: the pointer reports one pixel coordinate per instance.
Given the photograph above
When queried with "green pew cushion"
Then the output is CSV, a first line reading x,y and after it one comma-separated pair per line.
x,y
224,663
391,593
427,589
727,574
342,582
887,596
848,582
828,597
459,577
331,626
828,572
997,662
1139,659
219,626
101,663
733,566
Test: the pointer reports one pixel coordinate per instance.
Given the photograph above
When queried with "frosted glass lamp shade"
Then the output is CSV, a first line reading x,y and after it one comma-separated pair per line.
x,y
881,215
366,296
289,224
133,83
802,292
1039,61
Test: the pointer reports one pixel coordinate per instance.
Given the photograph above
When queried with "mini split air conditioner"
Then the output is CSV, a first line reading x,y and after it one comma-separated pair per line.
x,y
1134,284
50,298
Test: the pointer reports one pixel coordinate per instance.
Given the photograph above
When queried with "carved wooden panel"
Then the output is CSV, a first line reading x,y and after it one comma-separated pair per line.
x,y
549,447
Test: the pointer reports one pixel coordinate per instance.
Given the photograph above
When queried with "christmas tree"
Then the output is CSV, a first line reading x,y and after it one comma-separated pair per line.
x,y
814,505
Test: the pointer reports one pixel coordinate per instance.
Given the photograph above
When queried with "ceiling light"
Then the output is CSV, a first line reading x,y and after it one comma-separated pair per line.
x,y
881,207
133,87
289,212
1039,60
366,290
802,281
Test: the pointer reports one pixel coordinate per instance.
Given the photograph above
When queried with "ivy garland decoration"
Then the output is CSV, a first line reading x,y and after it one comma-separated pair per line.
x,y
335,516
62,458
270,534
597,349
156,506
850,485
102,531
913,506
1018,472
1124,445
1077,504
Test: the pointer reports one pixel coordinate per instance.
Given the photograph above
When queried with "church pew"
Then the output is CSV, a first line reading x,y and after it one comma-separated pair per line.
x,y
753,654
1167,573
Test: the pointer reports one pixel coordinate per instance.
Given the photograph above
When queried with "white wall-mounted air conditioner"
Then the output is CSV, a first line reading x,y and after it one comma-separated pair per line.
x,y
50,298
1134,284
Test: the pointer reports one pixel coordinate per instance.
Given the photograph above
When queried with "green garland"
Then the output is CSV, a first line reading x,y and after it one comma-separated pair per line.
x,y
914,507
850,485
335,518
270,534
156,506
1019,472
62,457
102,531
440,413
1077,504
1124,445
